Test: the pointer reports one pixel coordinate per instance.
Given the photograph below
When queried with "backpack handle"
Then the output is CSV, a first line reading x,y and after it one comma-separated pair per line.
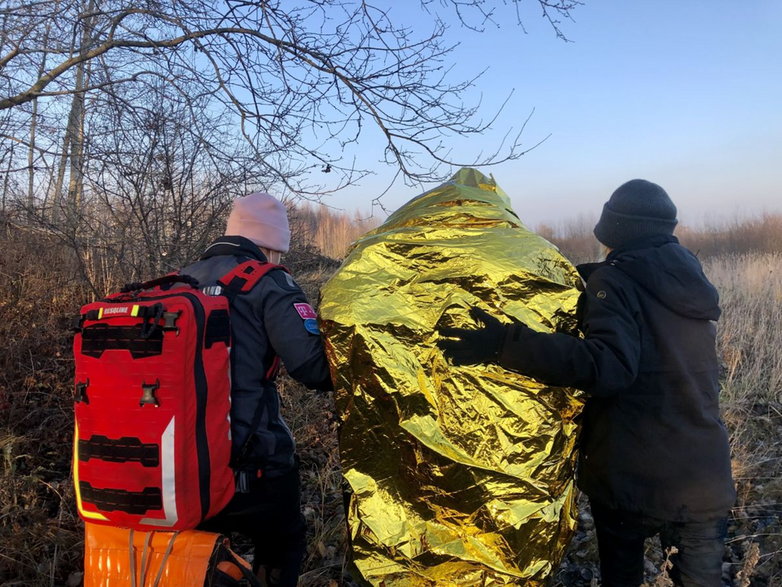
x,y
160,281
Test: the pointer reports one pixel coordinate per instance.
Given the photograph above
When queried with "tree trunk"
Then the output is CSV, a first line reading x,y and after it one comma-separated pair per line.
x,y
34,129
76,120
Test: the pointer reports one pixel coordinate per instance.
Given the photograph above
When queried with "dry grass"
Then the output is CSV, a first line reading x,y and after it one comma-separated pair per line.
x,y
750,343
40,536
750,336
321,478
39,533
748,236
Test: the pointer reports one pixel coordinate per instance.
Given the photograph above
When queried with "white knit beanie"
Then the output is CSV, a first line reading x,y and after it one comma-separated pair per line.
x,y
262,219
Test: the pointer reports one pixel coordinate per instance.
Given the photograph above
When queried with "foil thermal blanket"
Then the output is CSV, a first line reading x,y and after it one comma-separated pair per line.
x,y
455,475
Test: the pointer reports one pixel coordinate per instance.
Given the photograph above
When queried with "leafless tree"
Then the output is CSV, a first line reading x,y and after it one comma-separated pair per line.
x,y
159,182
304,79
126,127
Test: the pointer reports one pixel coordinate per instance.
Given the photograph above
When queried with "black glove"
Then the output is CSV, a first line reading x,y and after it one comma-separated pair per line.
x,y
474,346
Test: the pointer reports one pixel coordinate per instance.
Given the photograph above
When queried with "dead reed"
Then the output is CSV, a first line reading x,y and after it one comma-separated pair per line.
x,y
40,535
750,344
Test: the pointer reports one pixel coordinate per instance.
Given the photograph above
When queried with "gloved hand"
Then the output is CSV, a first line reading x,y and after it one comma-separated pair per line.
x,y
474,346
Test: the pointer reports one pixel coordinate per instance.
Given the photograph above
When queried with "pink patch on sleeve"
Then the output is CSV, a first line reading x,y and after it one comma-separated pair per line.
x,y
305,311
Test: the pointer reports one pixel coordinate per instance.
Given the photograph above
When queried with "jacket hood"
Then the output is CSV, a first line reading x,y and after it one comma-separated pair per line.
x,y
672,274
234,245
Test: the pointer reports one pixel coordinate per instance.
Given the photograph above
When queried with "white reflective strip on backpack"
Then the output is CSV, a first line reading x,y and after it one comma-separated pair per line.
x,y
168,482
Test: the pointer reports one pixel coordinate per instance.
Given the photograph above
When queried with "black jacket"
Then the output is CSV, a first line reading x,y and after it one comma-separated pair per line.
x,y
652,439
264,323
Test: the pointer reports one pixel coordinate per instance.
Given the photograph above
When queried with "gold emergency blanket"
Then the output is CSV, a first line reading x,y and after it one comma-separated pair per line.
x,y
457,475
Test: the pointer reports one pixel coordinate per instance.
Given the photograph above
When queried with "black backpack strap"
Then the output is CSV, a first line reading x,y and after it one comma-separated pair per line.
x,y
227,569
240,280
169,279
240,462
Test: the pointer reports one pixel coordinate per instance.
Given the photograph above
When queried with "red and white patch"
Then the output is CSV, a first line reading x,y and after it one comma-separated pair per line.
x,y
305,311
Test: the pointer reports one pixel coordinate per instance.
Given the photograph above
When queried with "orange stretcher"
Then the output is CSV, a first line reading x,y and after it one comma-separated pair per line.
x,y
119,557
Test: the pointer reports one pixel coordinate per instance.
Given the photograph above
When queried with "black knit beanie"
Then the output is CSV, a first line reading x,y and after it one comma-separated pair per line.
x,y
637,209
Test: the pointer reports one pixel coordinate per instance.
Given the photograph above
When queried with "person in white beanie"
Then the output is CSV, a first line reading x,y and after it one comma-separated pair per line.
x,y
262,219
272,322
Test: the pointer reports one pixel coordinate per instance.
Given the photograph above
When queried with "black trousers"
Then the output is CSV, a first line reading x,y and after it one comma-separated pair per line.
x,y
269,515
621,536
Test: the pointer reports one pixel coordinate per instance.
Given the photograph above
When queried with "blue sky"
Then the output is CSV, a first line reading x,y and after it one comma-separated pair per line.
x,y
686,93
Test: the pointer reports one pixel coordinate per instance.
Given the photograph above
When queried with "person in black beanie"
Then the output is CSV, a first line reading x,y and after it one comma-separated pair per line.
x,y
654,456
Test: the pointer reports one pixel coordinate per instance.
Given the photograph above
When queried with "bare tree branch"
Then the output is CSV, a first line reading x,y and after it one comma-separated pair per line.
x,y
304,79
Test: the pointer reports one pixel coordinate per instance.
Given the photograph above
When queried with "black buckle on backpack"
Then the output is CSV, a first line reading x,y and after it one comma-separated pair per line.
x,y
169,321
244,478
148,394
76,323
81,392
152,315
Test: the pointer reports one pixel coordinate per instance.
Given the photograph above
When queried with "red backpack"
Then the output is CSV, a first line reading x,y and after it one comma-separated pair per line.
x,y
152,444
